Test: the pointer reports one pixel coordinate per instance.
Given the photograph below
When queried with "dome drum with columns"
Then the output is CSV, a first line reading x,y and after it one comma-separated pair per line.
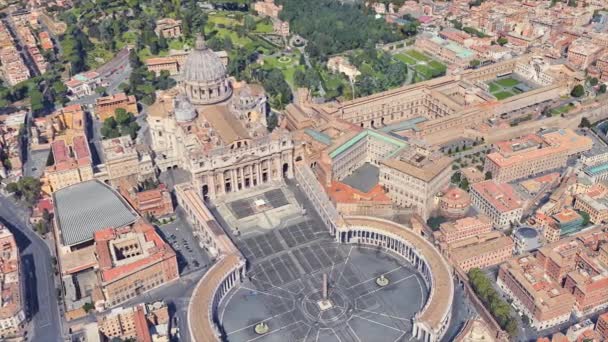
x,y
205,80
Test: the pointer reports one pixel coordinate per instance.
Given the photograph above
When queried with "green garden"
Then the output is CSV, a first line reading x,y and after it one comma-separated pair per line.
x,y
505,87
425,66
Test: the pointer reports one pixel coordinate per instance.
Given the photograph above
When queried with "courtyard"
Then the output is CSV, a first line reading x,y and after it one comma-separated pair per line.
x,y
505,87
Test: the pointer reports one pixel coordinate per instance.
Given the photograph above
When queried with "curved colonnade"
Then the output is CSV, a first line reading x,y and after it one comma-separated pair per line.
x,y
429,325
433,320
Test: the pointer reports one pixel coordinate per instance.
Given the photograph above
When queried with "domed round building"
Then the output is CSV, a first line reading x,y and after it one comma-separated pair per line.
x,y
205,80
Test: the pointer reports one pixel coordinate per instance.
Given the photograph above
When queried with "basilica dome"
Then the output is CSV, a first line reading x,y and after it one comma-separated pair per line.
x,y
204,76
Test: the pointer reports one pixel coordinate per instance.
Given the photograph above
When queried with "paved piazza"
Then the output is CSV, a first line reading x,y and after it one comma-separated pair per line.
x,y
283,286
283,290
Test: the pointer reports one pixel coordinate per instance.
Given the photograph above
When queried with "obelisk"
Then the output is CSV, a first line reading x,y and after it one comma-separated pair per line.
x,y
324,286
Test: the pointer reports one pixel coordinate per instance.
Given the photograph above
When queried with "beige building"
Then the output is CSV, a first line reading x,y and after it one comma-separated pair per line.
x,y
124,159
596,205
267,8
449,103
530,155
498,201
136,323
340,64
410,173
415,177
219,138
454,203
583,52
168,28
483,250
72,164
463,228
12,314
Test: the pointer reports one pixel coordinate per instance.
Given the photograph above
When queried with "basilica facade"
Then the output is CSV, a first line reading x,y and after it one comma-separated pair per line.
x,y
216,130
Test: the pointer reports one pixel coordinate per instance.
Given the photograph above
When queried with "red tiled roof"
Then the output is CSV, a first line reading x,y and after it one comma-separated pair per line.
x,y
141,325
500,195
160,251
60,151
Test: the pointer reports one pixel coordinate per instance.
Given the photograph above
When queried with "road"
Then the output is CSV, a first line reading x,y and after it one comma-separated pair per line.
x,y
37,274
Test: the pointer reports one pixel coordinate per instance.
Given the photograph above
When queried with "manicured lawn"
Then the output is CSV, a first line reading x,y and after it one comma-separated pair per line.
x,y
503,95
507,82
437,65
418,55
287,68
289,72
414,60
405,59
263,27
242,41
494,87
220,18
424,70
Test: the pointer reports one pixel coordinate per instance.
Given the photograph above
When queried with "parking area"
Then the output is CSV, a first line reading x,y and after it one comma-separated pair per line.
x,y
36,163
190,256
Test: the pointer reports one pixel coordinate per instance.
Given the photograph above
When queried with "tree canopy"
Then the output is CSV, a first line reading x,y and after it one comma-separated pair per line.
x,y
578,91
332,26
491,299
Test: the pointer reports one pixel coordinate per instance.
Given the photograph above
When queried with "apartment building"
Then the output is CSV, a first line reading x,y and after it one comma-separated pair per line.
x,y
582,53
12,313
463,228
543,301
143,322
480,251
498,201
602,325
594,202
563,278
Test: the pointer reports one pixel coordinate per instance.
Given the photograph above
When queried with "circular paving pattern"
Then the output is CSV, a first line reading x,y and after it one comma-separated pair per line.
x,y
285,291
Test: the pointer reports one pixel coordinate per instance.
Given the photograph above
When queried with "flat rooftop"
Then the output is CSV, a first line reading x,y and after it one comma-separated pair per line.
x,y
364,178
85,208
